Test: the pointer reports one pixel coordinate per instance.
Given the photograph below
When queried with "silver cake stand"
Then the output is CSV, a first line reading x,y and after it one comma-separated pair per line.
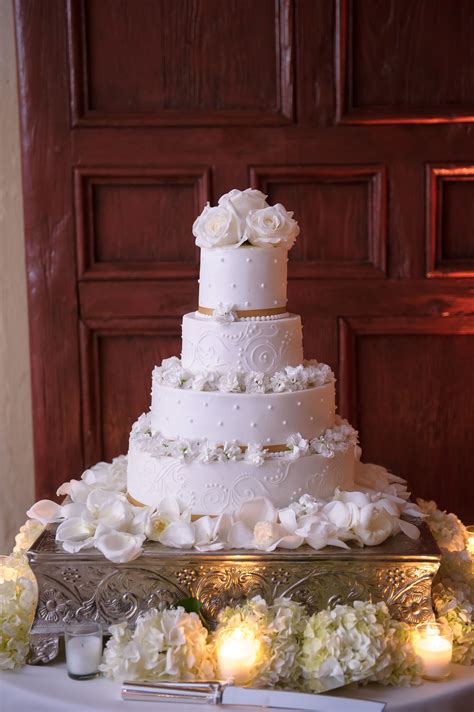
x,y
87,587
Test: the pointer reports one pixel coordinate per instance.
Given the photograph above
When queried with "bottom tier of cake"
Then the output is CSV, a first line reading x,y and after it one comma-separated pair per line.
x,y
216,487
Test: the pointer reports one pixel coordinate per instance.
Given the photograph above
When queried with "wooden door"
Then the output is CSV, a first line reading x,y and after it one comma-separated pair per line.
x,y
356,114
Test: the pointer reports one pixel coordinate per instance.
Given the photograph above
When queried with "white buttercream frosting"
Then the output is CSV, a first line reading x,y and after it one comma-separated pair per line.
x,y
250,278
241,415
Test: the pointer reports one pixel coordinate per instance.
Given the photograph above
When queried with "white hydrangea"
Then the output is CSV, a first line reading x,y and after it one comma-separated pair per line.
x,y
350,643
165,645
17,608
278,628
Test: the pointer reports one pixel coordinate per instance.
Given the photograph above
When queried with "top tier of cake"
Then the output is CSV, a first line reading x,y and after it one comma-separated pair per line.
x,y
251,279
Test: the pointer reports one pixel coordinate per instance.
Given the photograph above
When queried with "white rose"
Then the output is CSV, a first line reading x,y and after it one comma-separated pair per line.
x,y
218,226
244,200
271,226
375,525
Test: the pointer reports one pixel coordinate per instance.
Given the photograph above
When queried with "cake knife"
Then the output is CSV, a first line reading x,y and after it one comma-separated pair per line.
x,y
217,693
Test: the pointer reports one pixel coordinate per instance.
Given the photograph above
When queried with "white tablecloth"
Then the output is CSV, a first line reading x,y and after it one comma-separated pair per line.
x,y
48,689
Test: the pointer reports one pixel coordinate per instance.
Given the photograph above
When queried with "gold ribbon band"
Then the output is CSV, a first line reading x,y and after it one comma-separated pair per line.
x,y
247,312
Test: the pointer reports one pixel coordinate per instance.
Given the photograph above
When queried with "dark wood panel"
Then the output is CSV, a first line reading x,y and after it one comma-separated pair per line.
x,y
341,212
450,221
49,247
305,296
182,62
394,60
117,360
138,220
413,415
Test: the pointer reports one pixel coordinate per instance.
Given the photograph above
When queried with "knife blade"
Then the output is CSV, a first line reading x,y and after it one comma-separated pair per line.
x,y
288,699
210,692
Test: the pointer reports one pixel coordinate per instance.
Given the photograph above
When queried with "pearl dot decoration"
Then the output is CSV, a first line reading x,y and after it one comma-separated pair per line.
x,y
263,285
249,259
233,285
283,422
253,425
236,407
270,407
221,422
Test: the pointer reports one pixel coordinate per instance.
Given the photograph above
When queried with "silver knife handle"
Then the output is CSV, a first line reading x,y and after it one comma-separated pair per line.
x,y
166,691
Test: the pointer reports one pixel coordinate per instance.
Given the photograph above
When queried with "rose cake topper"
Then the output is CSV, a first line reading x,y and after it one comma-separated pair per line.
x,y
245,216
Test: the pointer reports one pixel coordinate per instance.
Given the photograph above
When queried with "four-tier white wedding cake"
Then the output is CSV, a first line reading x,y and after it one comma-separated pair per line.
x,y
241,414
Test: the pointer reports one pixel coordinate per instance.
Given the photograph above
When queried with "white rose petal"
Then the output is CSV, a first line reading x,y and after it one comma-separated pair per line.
x,y
411,530
45,511
178,534
119,547
244,200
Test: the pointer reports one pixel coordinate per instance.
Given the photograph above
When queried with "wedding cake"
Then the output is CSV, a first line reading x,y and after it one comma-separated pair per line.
x,y
241,415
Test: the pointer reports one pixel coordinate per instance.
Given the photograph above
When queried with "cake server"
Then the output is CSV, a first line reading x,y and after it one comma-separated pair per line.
x,y
217,693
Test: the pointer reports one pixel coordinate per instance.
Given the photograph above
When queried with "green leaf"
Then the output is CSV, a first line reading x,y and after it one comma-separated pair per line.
x,y
192,605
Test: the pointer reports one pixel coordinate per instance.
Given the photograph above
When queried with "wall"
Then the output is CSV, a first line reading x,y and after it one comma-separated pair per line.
x,y
16,449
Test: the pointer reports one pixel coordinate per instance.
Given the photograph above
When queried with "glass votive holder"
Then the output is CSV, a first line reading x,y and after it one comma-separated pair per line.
x,y
433,643
83,643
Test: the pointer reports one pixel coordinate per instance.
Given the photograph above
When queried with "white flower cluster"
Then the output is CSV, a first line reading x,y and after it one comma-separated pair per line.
x,y
332,441
277,628
453,592
309,374
225,313
98,514
17,606
356,642
245,216
329,649
165,645
454,606
367,519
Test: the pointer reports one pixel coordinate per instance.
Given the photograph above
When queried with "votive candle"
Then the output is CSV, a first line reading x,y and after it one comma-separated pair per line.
x,y
237,652
83,650
433,643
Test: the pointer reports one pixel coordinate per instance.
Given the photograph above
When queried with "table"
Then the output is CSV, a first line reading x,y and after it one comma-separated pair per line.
x,y
48,689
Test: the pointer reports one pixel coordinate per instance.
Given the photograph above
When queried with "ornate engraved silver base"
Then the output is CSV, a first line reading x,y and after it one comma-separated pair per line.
x,y
86,586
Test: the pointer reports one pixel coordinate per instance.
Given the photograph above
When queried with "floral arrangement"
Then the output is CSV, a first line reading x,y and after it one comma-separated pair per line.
x,y
453,589
245,216
309,374
169,644
319,652
357,642
354,643
98,514
332,441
